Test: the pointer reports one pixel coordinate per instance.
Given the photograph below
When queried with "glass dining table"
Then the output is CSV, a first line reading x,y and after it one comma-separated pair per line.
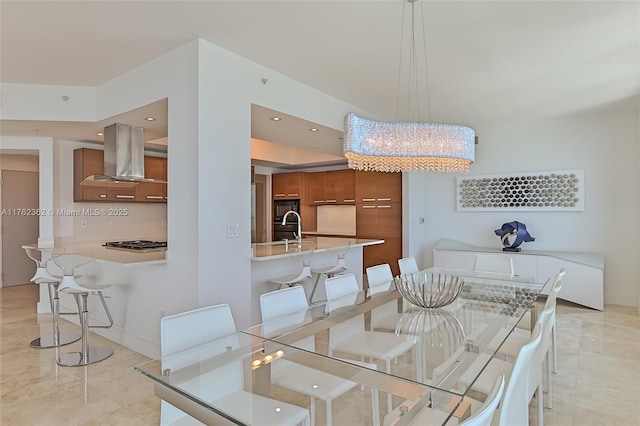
x,y
411,358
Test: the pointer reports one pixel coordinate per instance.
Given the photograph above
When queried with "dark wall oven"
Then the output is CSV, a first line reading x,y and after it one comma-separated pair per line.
x,y
288,230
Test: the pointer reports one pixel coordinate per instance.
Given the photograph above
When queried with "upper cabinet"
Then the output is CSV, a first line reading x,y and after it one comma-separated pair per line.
x,y
87,162
332,187
288,186
378,187
154,168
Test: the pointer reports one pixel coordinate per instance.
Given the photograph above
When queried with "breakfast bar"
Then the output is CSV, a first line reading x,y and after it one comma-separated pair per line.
x,y
279,258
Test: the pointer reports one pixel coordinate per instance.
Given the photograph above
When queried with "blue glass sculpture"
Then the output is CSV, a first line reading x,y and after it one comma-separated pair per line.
x,y
516,230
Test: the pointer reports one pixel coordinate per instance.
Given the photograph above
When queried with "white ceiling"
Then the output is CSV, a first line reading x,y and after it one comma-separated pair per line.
x,y
488,61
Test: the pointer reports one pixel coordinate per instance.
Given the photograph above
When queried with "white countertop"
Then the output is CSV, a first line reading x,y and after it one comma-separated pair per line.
x,y
95,250
278,250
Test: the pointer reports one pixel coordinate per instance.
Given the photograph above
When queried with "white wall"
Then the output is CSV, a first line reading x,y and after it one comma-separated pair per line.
x,y
605,146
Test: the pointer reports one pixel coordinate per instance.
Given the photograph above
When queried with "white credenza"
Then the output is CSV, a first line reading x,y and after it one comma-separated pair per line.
x,y
583,282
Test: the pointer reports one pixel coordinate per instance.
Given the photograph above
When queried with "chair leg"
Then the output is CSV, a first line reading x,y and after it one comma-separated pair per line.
x,y
87,355
389,397
553,346
329,414
312,409
375,407
315,286
549,384
539,398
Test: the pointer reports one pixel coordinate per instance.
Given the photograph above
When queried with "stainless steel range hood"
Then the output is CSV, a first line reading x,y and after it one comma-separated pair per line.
x,y
123,157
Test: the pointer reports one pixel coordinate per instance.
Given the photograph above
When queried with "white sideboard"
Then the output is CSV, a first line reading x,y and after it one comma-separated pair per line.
x,y
583,283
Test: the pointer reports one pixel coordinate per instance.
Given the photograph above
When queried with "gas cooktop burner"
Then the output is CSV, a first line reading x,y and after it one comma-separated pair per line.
x,y
137,245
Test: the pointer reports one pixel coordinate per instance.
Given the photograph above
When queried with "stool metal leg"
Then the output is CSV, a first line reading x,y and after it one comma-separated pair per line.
x,y
56,339
87,355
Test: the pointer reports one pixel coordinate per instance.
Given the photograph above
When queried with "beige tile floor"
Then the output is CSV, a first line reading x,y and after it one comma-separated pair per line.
x,y
598,382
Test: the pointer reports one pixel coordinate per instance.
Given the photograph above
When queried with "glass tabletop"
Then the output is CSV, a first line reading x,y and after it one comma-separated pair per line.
x,y
248,381
435,347
375,358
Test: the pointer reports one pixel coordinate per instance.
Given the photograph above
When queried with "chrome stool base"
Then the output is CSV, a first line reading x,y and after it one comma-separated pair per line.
x,y
45,342
79,359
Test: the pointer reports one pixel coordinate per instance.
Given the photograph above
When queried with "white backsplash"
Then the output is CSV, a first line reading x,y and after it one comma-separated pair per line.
x,y
337,220
119,221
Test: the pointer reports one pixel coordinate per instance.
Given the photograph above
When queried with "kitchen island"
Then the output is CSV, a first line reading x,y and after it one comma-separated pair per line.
x,y
277,259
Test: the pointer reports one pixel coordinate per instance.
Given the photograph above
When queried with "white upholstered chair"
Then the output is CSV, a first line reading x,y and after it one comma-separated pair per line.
x,y
351,337
222,387
330,271
407,265
379,278
283,305
297,278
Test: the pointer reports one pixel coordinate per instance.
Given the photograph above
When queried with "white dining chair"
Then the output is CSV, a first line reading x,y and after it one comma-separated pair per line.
x,y
379,278
280,307
351,337
525,322
516,340
407,265
489,262
222,387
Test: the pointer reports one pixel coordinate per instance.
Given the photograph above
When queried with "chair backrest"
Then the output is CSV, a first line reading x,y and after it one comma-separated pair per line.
x,y
493,263
408,265
340,286
555,289
485,414
515,402
279,303
380,278
192,328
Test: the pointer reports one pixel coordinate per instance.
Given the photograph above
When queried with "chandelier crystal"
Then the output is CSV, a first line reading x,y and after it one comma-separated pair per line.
x,y
386,146
383,146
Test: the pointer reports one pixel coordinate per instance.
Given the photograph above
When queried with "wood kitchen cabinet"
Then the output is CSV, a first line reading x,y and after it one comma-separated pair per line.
x,y
288,186
332,187
154,168
87,162
379,216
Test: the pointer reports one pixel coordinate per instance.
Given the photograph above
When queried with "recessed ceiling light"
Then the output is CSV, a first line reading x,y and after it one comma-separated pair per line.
x,y
276,118
313,129
100,134
150,119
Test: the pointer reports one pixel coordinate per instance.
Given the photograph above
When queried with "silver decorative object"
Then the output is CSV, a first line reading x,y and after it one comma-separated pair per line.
x,y
543,191
429,289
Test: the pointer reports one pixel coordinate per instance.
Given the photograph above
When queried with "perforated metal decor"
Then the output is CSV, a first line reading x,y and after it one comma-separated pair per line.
x,y
531,191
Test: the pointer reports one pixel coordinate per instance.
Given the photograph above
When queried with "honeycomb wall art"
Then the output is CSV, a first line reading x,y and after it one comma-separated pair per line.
x,y
529,191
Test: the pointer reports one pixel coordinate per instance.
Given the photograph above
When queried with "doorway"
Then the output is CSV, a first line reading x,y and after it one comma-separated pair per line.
x,y
20,224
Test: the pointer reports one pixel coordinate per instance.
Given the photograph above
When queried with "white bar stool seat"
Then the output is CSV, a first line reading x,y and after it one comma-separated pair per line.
x,y
69,263
42,276
298,278
330,271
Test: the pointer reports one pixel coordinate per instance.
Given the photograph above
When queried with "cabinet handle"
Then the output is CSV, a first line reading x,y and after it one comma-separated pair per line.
x,y
318,201
384,207
279,195
368,207
330,201
292,195
154,197
102,195
349,201
384,199
368,199
128,197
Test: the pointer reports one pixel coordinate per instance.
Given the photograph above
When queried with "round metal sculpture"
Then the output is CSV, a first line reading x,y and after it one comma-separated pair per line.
x,y
429,289
512,235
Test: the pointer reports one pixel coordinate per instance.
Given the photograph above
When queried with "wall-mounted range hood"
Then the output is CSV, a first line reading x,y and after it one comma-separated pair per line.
x,y
123,157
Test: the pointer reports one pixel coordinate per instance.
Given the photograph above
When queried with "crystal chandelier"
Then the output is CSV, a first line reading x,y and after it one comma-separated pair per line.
x,y
385,146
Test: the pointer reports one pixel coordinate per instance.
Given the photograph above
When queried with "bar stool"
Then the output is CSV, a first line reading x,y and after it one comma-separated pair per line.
x,y
69,263
299,278
330,271
42,276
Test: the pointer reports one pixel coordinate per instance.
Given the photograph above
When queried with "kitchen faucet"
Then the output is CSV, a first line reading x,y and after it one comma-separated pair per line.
x,y
284,222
